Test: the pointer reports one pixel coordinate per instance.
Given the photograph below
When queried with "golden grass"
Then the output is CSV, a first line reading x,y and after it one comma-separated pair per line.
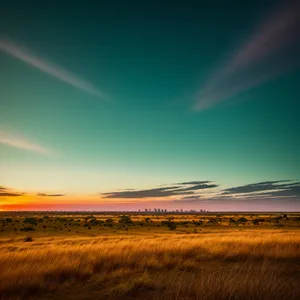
x,y
226,265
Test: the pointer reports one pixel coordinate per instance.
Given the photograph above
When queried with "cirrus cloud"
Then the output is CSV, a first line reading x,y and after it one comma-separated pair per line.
x,y
257,60
22,143
47,67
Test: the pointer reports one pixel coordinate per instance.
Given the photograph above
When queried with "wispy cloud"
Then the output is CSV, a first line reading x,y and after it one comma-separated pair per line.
x,y
21,143
8,194
256,61
5,192
266,190
47,67
50,195
184,188
258,187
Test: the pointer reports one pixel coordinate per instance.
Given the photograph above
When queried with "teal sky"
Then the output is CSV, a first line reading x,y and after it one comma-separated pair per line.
x,y
156,107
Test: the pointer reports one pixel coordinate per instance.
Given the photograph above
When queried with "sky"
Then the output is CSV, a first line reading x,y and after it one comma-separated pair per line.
x,y
127,105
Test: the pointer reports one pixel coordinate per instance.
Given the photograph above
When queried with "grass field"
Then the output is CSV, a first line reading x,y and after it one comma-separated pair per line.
x,y
79,256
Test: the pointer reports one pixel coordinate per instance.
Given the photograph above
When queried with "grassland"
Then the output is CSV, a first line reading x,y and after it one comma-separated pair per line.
x,y
79,256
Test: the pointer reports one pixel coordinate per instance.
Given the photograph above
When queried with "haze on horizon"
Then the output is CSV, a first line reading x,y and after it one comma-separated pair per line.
x,y
129,105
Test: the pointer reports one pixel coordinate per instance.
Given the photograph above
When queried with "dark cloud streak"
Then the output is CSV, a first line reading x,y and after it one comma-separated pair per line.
x,y
173,190
257,187
8,194
50,195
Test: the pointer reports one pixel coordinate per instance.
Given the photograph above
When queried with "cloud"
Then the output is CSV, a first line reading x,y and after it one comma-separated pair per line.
x,y
5,192
8,194
190,198
193,182
50,195
49,68
271,51
173,190
21,143
257,187
266,190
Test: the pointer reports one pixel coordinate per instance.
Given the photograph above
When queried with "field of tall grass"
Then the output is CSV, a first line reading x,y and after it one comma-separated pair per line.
x,y
234,264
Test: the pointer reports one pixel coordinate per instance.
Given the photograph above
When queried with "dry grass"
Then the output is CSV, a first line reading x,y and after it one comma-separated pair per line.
x,y
229,265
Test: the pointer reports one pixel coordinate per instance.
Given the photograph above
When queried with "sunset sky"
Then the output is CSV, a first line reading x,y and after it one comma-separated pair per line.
x,y
125,105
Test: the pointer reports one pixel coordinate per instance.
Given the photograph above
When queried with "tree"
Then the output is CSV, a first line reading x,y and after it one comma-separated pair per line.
x,y
255,222
242,220
125,220
172,225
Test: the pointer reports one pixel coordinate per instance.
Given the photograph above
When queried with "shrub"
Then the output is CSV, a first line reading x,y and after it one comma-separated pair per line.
x,y
172,226
242,220
109,221
89,217
27,229
32,221
199,223
255,222
60,219
28,239
95,222
125,220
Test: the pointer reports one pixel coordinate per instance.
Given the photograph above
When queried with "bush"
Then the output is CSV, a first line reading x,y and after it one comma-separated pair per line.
x,y
125,220
60,219
199,223
242,220
28,239
95,222
255,222
27,229
32,221
172,226
109,221
74,224
89,217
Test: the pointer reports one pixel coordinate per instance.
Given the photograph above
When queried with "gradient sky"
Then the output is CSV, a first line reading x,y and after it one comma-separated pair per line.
x,y
127,105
